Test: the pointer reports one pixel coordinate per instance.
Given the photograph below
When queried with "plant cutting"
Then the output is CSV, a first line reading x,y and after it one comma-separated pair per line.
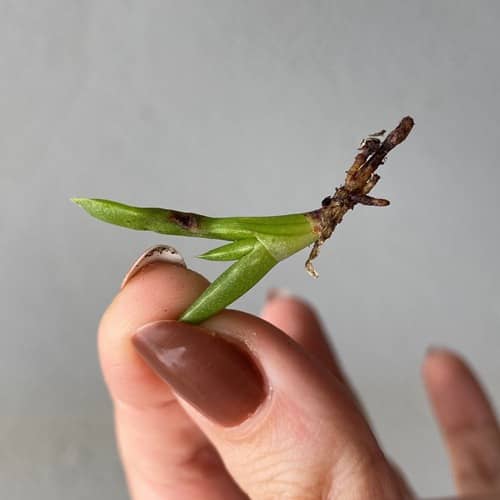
x,y
257,244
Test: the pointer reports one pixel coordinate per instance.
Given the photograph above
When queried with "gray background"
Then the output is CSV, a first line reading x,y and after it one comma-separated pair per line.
x,y
232,107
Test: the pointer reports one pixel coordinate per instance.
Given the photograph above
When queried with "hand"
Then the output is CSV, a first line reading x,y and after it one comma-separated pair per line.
x,y
261,407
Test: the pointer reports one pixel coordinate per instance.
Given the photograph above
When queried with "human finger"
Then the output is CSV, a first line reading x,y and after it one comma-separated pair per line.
x,y
467,422
285,426
165,455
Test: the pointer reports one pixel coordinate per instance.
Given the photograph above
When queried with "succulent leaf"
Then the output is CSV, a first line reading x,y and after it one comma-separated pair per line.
x,y
231,284
231,251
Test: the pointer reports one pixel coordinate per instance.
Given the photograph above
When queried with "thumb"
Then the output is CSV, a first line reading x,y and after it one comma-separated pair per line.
x,y
284,426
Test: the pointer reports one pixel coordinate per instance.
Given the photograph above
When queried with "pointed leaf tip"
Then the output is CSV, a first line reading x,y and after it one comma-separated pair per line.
x,y
81,202
231,251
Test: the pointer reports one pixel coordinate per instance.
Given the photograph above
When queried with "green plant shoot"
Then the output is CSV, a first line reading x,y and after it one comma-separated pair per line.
x,y
257,244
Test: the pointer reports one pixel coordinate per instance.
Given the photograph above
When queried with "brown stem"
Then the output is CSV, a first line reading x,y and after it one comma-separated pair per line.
x,y
360,180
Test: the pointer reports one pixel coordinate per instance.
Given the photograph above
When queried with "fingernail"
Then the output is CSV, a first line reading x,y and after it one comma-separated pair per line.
x,y
157,253
275,293
213,374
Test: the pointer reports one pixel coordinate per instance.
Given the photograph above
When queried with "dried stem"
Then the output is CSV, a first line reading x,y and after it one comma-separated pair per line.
x,y
360,180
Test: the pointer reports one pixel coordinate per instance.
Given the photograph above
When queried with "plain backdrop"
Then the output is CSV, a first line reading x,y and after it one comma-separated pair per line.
x,y
242,108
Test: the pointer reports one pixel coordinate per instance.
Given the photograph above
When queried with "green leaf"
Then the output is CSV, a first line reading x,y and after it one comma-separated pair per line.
x,y
231,251
166,221
158,220
231,284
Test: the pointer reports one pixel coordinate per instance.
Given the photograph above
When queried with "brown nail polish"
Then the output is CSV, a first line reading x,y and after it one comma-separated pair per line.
x,y
213,374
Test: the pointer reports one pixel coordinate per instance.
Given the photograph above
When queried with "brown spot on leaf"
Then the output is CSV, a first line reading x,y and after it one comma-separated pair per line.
x,y
186,220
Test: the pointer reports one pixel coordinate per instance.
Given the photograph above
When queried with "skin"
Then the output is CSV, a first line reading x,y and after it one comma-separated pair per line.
x,y
313,442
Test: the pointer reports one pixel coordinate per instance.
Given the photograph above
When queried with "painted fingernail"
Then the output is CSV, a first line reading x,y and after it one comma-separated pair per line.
x,y
157,253
213,374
